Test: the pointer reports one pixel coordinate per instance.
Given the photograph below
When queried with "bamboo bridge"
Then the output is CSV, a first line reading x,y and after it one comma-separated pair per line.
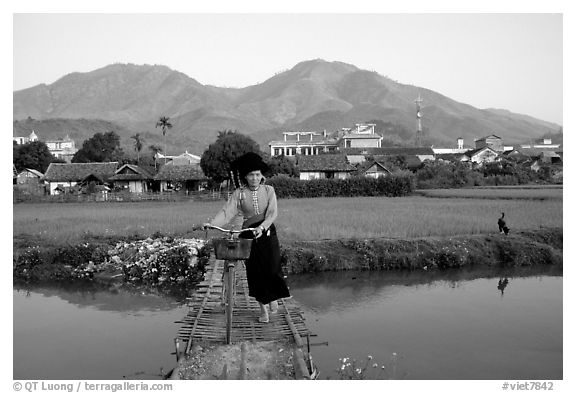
x,y
205,320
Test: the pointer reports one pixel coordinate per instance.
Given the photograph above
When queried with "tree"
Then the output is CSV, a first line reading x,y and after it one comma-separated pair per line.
x,y
100,148
229,145
138,144
33,155
155,149
165,124
282,165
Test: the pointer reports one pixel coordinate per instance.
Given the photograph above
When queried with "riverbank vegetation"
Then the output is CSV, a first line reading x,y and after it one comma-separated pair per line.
x,y
523,248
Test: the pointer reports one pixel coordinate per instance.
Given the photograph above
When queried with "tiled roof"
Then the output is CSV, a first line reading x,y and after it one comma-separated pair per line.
x,y
449,156
533,152
366,165
78,171
389,151
486,137
131,172
551,154
411,161
324,162
472,153
180,173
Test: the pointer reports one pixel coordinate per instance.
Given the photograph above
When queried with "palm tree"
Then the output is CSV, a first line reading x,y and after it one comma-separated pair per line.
x,y
165,124
155,149
138,144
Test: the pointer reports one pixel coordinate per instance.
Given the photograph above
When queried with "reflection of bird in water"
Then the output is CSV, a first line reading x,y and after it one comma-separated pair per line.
x,y
502,225
502,283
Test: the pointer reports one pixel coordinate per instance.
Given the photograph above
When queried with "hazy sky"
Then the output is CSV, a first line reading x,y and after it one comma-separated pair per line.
x,y
509,61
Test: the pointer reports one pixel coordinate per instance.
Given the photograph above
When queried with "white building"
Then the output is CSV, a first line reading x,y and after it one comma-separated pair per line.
x,y
20,140
303,142
63,149
459,149
363,136
542,143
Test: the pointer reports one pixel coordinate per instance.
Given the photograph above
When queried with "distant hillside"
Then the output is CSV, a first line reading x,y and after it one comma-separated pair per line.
x,y
313,95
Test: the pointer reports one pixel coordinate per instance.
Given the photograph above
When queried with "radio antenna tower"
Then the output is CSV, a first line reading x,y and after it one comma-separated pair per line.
x,y
418,101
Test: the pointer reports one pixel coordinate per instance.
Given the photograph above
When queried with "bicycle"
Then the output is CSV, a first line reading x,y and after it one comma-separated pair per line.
x,y
231,250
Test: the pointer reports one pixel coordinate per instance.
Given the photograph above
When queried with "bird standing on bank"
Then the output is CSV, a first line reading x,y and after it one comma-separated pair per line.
x,y
502,225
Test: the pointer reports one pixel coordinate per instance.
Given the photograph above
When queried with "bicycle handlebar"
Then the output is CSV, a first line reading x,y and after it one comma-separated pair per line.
x,y
229,230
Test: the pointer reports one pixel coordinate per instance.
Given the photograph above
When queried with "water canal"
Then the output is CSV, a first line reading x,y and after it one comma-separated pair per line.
x,y
460,324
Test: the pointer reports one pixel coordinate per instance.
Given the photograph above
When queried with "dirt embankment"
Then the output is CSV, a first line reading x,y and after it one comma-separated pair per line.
x,y
536,247
246,360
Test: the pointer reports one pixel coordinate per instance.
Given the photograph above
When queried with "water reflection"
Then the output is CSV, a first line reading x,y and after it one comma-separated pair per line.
x,y
104,298
453,324
75,332
346,289
502,284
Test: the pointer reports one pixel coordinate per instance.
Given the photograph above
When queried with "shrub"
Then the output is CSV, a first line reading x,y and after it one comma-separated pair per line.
x,y
395,185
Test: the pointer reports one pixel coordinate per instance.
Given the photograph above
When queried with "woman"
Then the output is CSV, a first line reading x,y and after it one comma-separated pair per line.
x,y
256,202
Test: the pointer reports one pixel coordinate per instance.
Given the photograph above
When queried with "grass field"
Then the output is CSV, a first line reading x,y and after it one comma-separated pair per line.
x,y
441,213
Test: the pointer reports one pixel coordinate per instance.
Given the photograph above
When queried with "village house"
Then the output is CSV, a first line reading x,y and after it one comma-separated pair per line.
x,y
358,155
373,169
480,155
324,166
494,142
518,155
132,178
30,176
60,177
186,178
182,159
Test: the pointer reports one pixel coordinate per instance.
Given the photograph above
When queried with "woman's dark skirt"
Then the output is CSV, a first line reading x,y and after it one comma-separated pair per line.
x,y
263,270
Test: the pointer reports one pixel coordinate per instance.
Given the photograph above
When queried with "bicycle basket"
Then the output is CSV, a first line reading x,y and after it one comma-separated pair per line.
x,y
232,248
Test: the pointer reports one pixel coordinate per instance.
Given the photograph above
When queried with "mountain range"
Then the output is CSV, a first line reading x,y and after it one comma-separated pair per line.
x,y
314,95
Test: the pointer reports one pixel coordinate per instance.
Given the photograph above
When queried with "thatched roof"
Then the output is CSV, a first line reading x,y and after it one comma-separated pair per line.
x,y
131,172
324,163
180,173
79,171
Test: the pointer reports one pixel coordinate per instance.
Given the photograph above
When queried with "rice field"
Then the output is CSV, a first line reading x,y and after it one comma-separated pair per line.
x,y
439,213
512,192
